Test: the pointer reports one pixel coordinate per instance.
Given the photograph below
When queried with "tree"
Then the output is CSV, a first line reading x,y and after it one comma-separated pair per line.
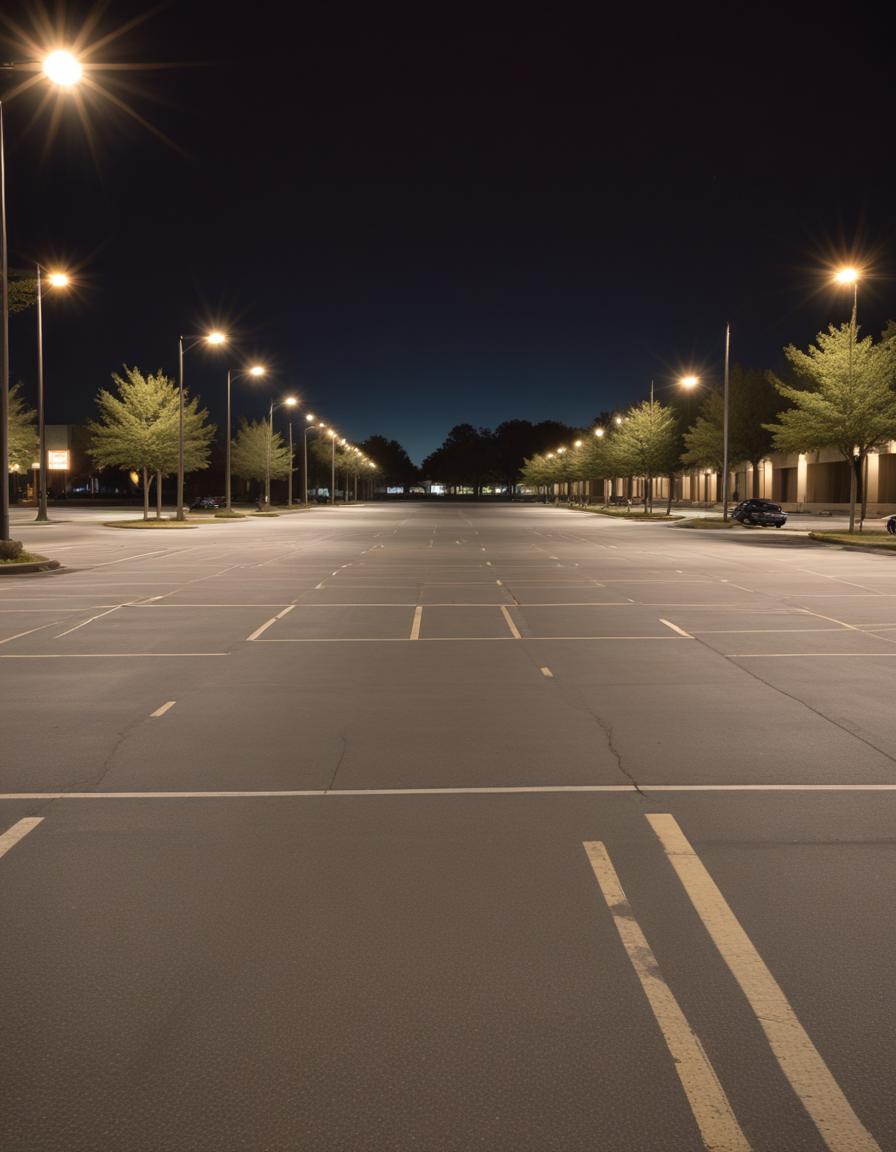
x,y
704,440
138,428
23,447
255,450
465,458
394,466
645,444
22,294
753,401
843,399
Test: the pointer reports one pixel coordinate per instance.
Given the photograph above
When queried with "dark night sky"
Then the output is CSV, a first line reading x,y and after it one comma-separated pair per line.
x,y
473,214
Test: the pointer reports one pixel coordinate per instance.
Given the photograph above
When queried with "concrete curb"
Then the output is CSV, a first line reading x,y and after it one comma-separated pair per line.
x,y
41,564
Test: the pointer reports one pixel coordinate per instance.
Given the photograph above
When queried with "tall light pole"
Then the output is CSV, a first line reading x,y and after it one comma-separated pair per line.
x,y
725,477
64,70
56,280
851,276
333,434
215,339
310,418
256,370
289,402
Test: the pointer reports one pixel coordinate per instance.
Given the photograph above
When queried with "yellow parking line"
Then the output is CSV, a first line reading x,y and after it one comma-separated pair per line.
x,y
415,626
706,1096
799,1059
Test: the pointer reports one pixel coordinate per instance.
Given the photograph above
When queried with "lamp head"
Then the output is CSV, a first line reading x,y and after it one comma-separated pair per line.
x,y
62,68
290,401
689,383
847,275
257,370
216,338
599,433
59,279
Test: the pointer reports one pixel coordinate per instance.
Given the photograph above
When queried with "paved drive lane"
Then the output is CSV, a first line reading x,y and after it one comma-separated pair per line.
x,y
331,832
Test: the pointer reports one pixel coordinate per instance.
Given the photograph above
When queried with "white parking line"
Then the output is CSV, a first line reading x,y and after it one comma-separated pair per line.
x,y
40,627
508,619
84,623
13,835
258,631
675,628
97,655
712,1111
548,673
797,1056
165,708
509,790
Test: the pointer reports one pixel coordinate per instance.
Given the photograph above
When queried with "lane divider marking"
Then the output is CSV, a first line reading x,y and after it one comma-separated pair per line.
x,y
675,628
712,1111
508,619
548,673
13,835
797,1056
167,706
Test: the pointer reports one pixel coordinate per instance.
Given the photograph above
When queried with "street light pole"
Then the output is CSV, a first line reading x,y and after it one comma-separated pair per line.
x,y
333,468
63,70
291,462
725,427
4,349
41,428
255,370
267,477
227,501
179,515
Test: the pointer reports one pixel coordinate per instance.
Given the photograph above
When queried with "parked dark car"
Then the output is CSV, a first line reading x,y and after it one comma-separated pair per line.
x,y
202,502
891,525
760,513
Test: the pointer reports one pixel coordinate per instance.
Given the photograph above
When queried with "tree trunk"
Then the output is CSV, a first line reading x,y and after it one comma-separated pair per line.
x,y
671,486
863,481
145,494
647,493
853,489
755,464
158,495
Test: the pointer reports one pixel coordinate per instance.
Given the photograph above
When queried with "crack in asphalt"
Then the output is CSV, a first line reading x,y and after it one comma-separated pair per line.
x,y
342,755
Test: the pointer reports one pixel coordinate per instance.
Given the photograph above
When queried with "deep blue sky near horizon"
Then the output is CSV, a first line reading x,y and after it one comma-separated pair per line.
x,y
463,215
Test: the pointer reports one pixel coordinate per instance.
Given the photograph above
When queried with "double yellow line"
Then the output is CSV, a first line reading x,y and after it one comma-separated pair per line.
x,y
797,1056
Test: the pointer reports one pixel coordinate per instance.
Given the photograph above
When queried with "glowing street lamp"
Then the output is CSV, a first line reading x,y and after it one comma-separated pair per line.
x,y
600,433
62,69
56,280
689,383
256,371
286,402
214,338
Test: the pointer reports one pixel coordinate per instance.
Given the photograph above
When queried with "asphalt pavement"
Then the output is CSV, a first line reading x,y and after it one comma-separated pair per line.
x,y
446,826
